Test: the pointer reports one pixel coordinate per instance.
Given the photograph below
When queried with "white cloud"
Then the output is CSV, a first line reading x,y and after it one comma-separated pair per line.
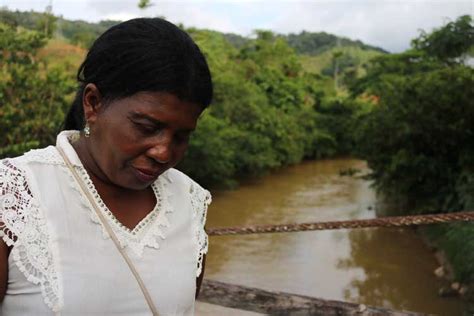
x,y
389,24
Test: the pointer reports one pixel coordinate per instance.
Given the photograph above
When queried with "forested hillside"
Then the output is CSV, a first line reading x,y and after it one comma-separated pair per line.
x,y
322,53
81,33
316,49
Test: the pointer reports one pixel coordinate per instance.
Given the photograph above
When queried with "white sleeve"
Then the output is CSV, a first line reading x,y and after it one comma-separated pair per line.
x,y
24,228
16,202
200,200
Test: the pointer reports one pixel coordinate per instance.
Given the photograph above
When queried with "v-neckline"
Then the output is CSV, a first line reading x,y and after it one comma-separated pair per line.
x,y
142,224
149,232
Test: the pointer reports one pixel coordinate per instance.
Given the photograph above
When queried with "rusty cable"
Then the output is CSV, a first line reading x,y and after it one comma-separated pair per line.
x,y
391,221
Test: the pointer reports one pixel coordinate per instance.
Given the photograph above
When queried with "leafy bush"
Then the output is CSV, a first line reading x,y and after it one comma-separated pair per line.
x,y
265,111
419,138
33,98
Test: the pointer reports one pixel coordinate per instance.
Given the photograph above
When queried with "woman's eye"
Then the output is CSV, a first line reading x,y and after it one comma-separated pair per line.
x,y
145,128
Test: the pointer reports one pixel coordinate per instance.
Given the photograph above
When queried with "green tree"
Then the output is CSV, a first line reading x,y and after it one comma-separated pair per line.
x,y
264,110
47,22
144,4
33,98
419,138
448,42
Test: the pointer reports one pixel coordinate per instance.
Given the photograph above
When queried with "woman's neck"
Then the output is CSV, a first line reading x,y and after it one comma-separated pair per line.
x,y
101,182
128,206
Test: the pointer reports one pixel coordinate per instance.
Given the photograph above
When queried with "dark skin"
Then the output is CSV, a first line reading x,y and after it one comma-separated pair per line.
x,y
133,140
4,252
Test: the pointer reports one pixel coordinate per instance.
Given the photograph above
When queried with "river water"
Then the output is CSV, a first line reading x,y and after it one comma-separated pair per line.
x,y
381,267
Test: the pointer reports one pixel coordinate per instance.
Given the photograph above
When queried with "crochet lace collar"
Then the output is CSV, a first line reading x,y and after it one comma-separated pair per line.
x,y
149,231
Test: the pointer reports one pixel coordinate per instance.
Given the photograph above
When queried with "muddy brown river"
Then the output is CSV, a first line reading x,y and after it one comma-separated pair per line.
x,y
381,267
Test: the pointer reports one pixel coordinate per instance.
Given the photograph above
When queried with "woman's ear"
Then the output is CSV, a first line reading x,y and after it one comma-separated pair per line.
x,y
92,102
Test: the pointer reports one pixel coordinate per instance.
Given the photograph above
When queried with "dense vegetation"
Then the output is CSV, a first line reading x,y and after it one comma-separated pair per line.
x,y
419,139
77,32
33,98
410,115
265,113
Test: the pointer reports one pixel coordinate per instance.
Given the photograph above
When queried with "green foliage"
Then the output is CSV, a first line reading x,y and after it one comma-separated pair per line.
x,y
338,117
316,43
42,22
47,23
458,247
265,112
448,42
385,67
416,136
28,20
83,39
236,40
351,65
144,4
312,44
83,33
419,137
77,32
213,142
344,61
33,98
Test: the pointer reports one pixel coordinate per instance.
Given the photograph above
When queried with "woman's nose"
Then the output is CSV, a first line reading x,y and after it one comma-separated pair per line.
x,y
161,152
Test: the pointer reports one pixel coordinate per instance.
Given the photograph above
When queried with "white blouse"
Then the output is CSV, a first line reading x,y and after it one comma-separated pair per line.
x,y
62,260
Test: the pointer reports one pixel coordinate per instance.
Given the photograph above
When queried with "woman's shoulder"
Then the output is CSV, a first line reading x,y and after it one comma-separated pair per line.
x,y
16,172
19,206
20,184
23,225
179,179
47,155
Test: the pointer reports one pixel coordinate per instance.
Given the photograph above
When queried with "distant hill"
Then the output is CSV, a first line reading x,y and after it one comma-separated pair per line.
x,y
236,40
81,32
77,32
317,50
352,57
309,43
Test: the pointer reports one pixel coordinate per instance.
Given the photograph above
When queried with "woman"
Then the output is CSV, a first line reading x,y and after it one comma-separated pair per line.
x,y
143,86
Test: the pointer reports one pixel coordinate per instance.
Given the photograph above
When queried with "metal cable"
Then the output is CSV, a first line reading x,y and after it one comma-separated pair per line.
x,y
392,221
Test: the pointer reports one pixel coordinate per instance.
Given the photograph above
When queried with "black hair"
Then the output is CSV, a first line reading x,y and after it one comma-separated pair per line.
x,y
145,54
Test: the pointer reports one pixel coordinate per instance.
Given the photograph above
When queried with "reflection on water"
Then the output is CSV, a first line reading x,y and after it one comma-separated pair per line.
x,y
382,267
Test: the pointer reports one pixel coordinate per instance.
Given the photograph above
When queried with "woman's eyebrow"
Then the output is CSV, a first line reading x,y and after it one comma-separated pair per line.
x,y
137,115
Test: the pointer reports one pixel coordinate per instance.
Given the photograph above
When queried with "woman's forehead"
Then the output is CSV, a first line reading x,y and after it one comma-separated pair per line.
x,y
159,107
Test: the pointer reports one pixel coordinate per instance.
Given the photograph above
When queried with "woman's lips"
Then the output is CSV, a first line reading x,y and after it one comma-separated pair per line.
x,y
145,175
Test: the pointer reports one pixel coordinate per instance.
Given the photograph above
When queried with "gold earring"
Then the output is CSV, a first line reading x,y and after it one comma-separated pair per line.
x,y
87,130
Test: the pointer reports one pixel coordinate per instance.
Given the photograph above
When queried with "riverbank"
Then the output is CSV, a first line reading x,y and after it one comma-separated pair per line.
x,y
455,256
449,245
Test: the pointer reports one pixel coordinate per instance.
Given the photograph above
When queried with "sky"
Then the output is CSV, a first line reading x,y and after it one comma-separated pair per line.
x,y
389,24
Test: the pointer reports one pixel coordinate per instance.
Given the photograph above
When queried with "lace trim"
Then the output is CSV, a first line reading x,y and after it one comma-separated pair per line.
x,y
48,155
147,233
23,226
200,200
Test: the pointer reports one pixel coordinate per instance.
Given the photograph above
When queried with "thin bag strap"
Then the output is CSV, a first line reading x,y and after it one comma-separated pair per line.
x,y
111,233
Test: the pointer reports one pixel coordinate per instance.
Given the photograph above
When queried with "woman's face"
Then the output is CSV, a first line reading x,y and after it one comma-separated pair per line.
x,y
135,139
